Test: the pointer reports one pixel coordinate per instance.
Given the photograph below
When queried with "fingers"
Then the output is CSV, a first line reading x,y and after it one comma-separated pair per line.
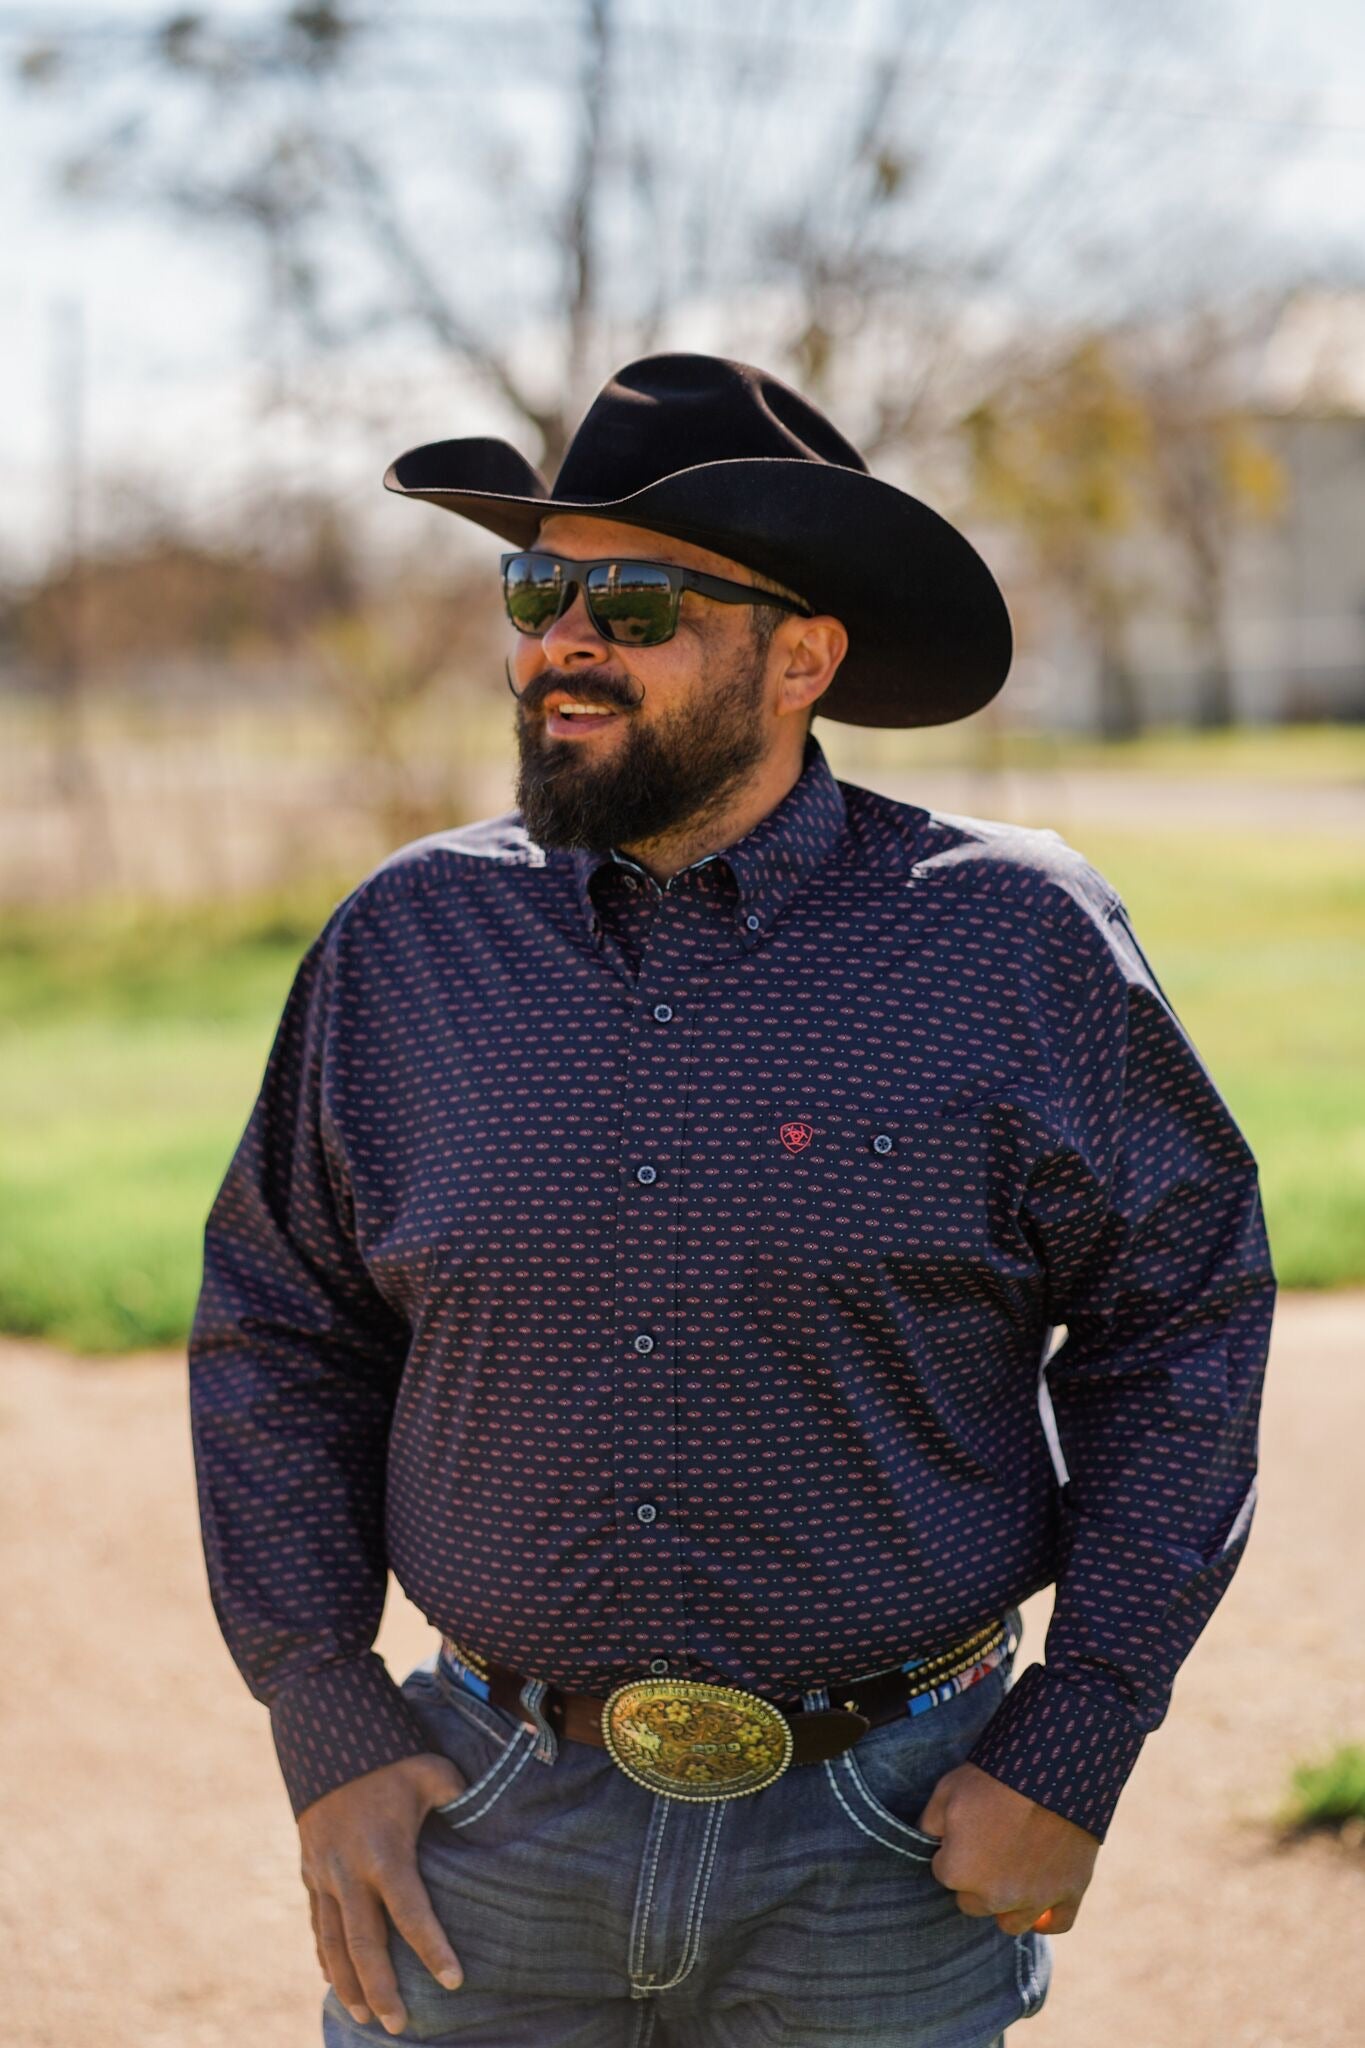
x,y
353,1948
367,1947
933,1819
410,1909
334,1955
974,1905
1019,1921
317,1933
1058,1919
358,1863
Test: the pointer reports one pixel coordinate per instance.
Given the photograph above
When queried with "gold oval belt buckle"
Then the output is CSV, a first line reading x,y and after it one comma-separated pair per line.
x,y
695,1741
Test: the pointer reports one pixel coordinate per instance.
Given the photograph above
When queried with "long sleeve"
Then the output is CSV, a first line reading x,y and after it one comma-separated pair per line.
x,y
294,1362
1147,1217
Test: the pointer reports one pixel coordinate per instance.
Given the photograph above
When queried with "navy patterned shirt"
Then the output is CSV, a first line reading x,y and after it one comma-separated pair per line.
x,y
664,1279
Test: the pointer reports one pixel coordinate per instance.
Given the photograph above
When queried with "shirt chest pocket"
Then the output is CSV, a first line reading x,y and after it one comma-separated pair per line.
x,y
862,1189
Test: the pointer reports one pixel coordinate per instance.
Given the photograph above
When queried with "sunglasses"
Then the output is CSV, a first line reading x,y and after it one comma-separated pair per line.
x,y
633,604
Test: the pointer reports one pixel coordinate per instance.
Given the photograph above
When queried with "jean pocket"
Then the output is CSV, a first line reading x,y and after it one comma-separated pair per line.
x,y
887,1779
483,1713
872,1818
1032,1970
488,1746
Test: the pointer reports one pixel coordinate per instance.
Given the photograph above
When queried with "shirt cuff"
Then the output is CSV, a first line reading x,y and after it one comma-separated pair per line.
x,y
337,1723
1061,1745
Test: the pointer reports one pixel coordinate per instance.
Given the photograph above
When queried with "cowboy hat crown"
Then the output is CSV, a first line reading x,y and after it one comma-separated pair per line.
x,y
730,458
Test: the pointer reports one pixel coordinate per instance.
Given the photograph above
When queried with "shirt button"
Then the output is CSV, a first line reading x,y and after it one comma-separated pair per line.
x,y
881,1143
645,1174
629,882
658,1665
662,1013
646,1512
644,1343
753,922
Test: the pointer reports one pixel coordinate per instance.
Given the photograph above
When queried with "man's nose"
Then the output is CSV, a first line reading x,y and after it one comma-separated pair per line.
x,y
573,640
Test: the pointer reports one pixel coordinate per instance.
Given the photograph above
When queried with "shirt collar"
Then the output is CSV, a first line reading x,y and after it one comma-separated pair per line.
x,y
770,863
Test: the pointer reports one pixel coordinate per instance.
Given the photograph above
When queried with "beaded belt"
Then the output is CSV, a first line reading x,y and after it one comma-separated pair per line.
x,y
694,1740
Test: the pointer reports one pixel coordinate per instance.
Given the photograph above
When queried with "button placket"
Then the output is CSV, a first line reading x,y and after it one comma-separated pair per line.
x,y
647,1456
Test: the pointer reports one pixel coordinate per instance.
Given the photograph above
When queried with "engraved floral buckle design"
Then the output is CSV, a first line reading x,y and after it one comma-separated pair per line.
x,y
695,1741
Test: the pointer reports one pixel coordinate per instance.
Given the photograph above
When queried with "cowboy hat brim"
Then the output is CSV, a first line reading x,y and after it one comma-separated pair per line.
x,y
929,633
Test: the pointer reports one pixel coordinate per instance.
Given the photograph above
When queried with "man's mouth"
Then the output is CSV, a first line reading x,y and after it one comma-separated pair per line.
x,y
573,720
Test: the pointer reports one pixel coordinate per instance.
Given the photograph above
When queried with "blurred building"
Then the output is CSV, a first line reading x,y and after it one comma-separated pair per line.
x,y
1293,617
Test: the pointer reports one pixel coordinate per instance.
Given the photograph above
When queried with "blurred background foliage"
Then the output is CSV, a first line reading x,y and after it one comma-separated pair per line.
x,y
1030,257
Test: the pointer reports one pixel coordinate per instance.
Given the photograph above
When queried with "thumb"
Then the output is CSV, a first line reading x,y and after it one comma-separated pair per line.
x,y
934,1818
440,1781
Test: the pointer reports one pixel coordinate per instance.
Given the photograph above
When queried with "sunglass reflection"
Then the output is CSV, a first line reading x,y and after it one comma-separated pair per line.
x,y
630,603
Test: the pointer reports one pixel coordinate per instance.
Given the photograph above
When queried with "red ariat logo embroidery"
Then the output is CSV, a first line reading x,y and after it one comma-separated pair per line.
x,y
796,1137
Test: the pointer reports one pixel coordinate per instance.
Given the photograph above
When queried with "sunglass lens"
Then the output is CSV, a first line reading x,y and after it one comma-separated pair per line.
x,y
532,592
632,603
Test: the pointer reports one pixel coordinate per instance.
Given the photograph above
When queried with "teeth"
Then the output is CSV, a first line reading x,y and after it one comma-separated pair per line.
x,y
585,710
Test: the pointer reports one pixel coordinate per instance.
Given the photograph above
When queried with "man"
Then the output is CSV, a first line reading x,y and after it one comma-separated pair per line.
x,y
649,1243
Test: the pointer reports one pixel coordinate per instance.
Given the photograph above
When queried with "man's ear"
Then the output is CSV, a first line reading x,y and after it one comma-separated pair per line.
x,y
811,656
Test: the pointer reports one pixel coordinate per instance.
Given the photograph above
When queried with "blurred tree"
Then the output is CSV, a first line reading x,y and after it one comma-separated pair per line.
x,y
381,666
288,161
165,595
1211,472
881,200
1064,455
881,204
1138,432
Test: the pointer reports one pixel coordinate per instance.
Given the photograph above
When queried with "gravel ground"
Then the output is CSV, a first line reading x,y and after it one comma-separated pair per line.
x,y
149,1892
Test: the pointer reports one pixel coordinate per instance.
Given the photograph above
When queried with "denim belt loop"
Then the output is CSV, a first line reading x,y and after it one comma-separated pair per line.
x,y
547,1742
816,1700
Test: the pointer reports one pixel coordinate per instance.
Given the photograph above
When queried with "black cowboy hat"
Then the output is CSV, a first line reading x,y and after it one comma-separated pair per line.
x,y
731,459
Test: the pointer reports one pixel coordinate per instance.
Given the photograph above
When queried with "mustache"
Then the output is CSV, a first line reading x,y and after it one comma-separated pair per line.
x,y
593,686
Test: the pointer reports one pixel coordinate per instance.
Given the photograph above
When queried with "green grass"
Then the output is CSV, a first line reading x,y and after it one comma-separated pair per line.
x,y
1329,1794
1309,753
131,1048
1260,945
130,1052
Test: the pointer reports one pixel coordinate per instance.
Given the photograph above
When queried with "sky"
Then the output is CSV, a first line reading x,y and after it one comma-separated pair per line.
x,y
160,333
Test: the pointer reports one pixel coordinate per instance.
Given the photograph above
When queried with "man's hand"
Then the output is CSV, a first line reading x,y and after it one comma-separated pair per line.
x,y
1006,1857
359,1857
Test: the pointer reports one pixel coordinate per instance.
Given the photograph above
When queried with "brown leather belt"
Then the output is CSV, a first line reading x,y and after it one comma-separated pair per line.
x,y
699,1740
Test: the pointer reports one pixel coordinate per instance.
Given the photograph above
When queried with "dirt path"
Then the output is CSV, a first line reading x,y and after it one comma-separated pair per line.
x,y
149,1895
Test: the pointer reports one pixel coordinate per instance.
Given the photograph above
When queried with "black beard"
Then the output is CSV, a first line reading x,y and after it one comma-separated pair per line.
x,y
673,771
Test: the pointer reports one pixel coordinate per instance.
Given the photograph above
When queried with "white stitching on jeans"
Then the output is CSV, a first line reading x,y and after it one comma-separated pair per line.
x,y
642,1907
1026,1984
706,1863
454,1819
668,1983
927,1849
879,1812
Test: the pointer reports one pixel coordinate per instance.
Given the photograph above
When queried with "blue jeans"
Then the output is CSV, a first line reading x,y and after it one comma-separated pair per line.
x,y
588,1912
